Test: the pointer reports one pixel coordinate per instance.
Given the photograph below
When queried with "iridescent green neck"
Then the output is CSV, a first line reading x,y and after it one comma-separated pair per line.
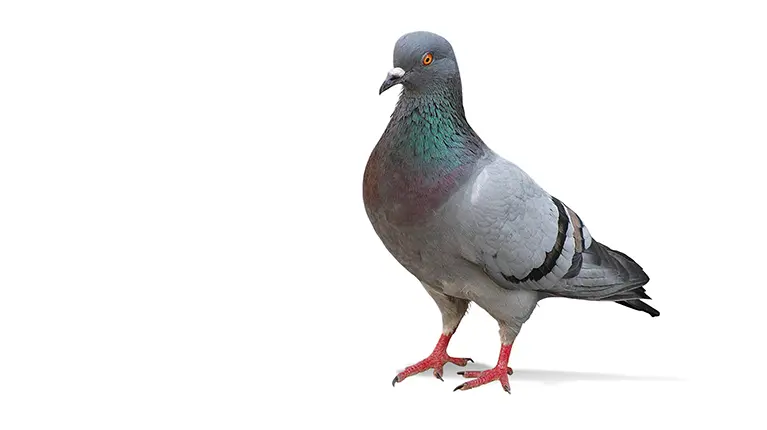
x,y
426,153
432,131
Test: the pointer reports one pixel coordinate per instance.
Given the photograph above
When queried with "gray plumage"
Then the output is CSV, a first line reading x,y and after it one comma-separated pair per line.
x,y
469,224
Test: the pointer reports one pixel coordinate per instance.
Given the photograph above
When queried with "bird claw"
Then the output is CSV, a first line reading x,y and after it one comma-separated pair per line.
x,y
460,361
483,377
435,361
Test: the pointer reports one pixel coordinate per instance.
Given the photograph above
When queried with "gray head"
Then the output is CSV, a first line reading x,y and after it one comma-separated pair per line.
x,y
423,63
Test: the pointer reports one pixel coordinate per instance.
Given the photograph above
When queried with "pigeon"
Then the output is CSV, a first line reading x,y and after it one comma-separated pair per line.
x,y
471,226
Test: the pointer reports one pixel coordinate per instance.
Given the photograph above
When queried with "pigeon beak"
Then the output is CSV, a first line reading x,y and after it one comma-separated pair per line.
x,y
393,78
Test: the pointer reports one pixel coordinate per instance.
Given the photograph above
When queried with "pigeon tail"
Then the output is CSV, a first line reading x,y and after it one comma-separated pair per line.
x,y
631,298
639,305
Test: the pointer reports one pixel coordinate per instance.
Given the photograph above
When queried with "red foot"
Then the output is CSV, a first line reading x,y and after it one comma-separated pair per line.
x,y
499,373
435,361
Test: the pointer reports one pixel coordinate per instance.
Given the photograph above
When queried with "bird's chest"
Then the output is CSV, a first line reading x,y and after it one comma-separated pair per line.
x,y
420,248
410,214
408,193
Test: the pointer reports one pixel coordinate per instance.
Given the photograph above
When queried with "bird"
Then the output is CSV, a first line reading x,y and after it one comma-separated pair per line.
x,y
471,226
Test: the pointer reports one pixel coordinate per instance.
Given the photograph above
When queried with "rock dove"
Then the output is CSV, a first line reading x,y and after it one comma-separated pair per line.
x,y
470,225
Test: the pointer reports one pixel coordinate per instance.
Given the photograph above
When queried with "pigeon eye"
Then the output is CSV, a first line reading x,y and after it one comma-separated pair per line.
x,y
427,59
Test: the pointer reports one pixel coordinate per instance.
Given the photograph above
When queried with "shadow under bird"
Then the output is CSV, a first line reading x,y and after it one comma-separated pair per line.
x,y
470,225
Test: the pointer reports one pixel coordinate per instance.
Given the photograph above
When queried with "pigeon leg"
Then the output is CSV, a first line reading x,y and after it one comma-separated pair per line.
x,y
452,309
516,309
435,361
500,373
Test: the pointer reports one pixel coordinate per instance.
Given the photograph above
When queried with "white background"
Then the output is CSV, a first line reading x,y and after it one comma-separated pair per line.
x,y
183,242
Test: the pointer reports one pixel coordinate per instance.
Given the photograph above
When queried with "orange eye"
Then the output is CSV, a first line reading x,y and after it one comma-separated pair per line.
x,y
427,59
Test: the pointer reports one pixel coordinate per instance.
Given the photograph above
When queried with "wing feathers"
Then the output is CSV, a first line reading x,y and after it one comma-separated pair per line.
x,y
524,238
550,261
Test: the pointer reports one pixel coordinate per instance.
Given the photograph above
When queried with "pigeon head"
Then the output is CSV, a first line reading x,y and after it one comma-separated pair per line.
x,y
423,63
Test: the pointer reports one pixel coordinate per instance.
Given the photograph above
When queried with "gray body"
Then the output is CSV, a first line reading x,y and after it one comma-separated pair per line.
x,y
496,238
445,255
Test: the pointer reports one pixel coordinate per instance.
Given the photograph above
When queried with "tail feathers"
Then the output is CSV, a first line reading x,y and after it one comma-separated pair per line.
x,y
609,275
629,269
637,293
605,274
631,298
639,305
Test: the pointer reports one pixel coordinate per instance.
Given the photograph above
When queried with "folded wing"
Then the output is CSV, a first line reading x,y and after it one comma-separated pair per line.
x,y
524,238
